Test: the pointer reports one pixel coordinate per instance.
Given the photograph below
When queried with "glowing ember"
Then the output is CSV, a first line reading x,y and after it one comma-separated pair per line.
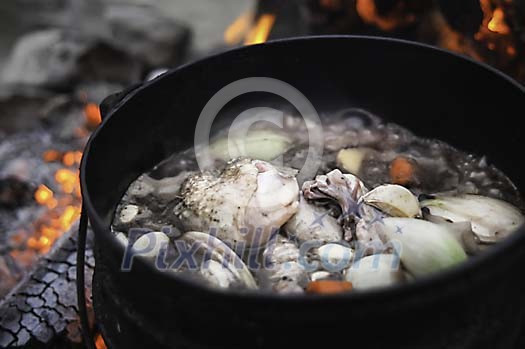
x,y
92,114
63,206
44,196
42,244
511,51
67,179
24,258
51,155
261,31
68,217
78,157
69,158
52,226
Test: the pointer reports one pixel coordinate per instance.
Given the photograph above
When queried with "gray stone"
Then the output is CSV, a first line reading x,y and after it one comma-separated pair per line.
x,y
120,45
55,58
144,32
43,58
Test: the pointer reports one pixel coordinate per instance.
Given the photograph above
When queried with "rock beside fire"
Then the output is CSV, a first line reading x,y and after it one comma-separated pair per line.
x,y
156,40
137,39
53,59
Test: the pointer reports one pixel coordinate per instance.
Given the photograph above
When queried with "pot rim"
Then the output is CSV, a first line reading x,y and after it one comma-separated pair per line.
x,y
432,282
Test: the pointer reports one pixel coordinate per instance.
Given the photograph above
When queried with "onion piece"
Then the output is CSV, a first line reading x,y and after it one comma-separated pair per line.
x,y
394,200
492,219
350,159
257,144
375,271
423,247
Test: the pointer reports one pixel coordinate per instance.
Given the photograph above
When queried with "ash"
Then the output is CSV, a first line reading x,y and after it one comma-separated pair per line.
x,y
66,57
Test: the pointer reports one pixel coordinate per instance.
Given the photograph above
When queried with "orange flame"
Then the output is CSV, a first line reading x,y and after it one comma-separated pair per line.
x,y
237,30
99,342
497,24
260,32
495,32
368,12
92,114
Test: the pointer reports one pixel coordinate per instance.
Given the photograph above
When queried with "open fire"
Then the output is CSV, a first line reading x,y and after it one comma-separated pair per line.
x,y
249,30
491,31
51,82
61,199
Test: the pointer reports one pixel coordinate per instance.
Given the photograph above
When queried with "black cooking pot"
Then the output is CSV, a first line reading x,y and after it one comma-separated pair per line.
x,y
432,92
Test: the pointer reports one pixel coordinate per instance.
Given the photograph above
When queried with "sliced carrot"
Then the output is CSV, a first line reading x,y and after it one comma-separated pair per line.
x,y
402,170
328,287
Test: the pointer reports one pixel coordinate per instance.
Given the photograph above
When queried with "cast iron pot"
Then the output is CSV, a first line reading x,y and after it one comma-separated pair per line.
x,y
434,93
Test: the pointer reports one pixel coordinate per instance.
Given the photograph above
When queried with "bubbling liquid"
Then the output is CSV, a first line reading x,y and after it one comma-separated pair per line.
x,y
449,192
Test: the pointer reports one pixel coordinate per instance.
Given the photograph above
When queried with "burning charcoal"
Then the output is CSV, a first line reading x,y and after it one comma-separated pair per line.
x,y
43,308
14,193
